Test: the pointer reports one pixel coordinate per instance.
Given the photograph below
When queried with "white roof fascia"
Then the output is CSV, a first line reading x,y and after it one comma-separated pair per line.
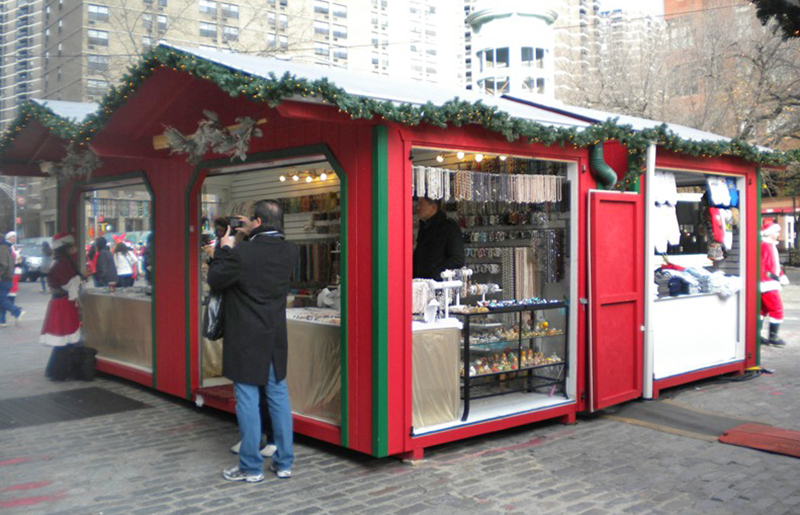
x,y
74,111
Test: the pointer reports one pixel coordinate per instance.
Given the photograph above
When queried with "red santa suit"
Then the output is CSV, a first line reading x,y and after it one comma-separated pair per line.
x,y
771,278
62,325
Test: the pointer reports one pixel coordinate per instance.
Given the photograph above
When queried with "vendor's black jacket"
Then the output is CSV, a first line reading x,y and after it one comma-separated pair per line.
x,y
254,278
440,246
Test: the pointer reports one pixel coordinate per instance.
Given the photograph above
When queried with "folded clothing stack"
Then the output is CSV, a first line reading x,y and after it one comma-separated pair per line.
x,y
675,282
703,278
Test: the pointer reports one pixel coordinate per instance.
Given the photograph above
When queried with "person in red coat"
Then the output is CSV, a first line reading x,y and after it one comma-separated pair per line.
x,y
62,324
772,280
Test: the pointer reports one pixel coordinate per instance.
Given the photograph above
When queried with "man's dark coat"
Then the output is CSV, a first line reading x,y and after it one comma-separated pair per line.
x,y
440,246
254,278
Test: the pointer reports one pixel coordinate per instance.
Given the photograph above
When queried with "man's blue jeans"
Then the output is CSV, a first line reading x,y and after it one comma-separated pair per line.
x,y
249,418
6,304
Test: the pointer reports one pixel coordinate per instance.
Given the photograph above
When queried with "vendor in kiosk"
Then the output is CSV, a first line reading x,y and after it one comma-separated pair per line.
x,y
440,245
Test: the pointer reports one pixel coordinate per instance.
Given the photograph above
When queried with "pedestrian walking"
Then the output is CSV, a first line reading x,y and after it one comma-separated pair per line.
x,y
772,281
62,326
47,262
7,270
105,272
254,277
125,264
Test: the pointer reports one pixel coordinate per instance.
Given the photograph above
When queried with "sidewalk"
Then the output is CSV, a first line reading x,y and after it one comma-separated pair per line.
x,y
168,458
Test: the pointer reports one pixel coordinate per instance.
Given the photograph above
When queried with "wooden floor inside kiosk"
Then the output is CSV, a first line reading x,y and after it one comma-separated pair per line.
x,y
493,408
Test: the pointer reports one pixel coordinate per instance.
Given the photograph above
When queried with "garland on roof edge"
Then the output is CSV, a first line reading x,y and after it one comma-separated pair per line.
x,y
273,90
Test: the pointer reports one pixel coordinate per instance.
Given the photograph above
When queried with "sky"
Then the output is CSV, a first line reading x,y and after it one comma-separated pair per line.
x,y
650,6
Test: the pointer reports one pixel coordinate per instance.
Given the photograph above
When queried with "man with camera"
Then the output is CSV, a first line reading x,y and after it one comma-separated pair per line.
x,y
254,277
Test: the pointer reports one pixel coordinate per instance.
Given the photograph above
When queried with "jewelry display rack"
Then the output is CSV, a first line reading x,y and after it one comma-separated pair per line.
x,y
526,377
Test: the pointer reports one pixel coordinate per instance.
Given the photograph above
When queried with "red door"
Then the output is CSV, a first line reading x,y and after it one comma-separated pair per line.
x,y
616,297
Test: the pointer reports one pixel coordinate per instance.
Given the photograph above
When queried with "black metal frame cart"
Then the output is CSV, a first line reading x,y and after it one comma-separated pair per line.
x,y
505,352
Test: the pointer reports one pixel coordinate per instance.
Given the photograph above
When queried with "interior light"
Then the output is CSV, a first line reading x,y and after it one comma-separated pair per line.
x,y
478,157
440,158
309,178
283,178
503,158
323,176
295,177
460,155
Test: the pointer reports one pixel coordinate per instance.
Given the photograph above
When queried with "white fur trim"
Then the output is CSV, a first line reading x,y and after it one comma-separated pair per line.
x,y
770,285
772,229
59,341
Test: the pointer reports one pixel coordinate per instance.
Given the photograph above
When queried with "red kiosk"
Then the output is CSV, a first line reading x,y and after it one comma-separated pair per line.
x,y
576,324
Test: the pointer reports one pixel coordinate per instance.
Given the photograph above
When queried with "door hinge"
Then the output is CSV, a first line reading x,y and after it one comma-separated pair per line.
x,y
643,328
583,300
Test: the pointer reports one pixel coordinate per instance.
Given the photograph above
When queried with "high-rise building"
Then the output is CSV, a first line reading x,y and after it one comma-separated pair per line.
x,y
21,66
74,49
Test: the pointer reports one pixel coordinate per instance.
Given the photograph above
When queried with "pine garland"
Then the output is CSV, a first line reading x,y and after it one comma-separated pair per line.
x,y
273,90
786,15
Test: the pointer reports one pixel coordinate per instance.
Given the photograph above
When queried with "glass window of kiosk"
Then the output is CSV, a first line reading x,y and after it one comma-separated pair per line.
x,y
501,227
117,255
309,193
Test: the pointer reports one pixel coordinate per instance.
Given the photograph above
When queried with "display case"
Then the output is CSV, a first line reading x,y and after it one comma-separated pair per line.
x,y
521,348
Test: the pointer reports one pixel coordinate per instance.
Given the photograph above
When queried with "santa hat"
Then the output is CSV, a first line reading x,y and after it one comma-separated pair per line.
x,y
62,240
770,228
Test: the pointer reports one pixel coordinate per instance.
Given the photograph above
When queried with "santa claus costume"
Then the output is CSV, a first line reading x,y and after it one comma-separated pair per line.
x,y
772,280
62,324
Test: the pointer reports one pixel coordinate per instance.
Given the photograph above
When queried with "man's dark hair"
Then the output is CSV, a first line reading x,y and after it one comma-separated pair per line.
x,y
270,213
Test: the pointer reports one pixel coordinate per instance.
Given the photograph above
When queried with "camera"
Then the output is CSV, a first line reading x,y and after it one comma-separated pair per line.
x,y
235,223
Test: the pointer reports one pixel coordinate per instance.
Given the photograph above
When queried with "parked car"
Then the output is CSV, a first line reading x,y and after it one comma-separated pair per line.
x,y
30,249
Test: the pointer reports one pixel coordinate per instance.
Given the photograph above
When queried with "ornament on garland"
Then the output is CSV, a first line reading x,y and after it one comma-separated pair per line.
x,y
75,164
211,135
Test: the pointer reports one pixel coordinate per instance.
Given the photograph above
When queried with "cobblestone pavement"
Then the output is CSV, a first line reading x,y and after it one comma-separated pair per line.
x,y
169,458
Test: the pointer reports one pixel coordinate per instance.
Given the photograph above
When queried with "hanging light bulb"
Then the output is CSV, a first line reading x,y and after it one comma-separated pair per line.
x,y
460,155
503,158
295,177
309,178
478,158
283,178
323,176
440,158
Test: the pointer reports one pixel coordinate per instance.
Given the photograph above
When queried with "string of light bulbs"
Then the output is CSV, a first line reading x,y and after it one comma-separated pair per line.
x,y
307,176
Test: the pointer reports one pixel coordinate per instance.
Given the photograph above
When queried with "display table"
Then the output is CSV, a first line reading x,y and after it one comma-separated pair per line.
x,y
119,325
436,394
314,373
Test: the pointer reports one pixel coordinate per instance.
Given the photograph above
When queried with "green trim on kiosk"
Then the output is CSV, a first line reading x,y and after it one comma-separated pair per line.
x,y
380,279
343,272
80,186
759,185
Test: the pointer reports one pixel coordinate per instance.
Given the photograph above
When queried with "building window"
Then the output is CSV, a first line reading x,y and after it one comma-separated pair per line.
x,y
271,17
533,85
283,3
375,60
496,85
431,51
283,42
230,33
340,10
533,57
208,30
162,23
147,42
96,87
208,7
162,3
230,10
321,6
321,28
283,21
96,37
97,63
322,49
271,40
147,22
339,52
339,31
98,12
495,58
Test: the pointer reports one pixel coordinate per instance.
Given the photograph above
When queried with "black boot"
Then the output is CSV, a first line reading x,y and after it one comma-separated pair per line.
x,y
773,335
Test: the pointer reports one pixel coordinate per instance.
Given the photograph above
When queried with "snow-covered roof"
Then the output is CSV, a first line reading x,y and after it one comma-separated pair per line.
x,y
376,87
598,116
73,111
